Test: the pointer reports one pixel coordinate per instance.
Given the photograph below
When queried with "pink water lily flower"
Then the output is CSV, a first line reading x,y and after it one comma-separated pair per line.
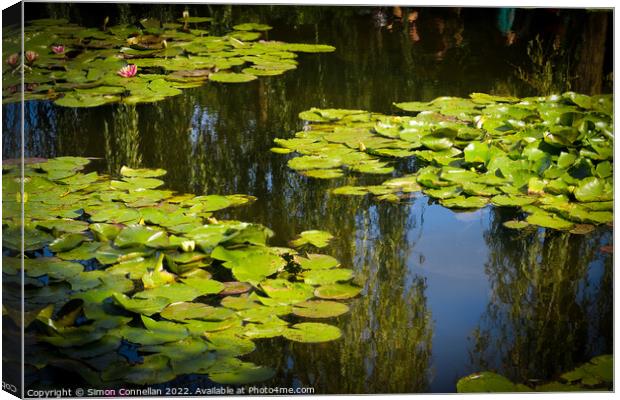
x,y
58,49
13,59
31,56
128,71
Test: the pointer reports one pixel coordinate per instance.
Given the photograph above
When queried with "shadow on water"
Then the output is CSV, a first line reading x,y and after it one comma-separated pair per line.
x,y
446,294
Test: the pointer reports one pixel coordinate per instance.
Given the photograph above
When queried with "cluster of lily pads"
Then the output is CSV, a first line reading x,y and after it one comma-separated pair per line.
x,y
597,374
85,67
119,266
550,156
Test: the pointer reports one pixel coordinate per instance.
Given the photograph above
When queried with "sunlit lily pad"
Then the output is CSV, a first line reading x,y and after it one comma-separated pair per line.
x,y
142,172
250,26
317,261
320,309
148,306
337,291
327,276
182,311
312,332
313,237
488,382
231,77
514,224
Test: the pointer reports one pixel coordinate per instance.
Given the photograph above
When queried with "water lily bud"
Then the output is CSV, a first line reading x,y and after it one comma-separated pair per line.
x,y
185,14
31,56
13,60
188,245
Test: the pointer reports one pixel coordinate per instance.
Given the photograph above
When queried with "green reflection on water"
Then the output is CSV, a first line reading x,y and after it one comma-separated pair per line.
x,y
551,302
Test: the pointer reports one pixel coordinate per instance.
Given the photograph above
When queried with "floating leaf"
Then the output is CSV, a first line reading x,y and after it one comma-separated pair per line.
x,y
320,309
337,291
593,189
327,276
488,382
136,235
149,306
182,311
317,261
514,224
250,26
549,221
314,237
465,202
312,332
231,77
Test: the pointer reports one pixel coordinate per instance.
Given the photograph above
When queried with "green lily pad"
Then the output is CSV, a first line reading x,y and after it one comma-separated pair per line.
x,y
317,261
136,235
593,189
323,173
250,26
337,291
488,382
67,242
183,311
320,309
313,237
327,276
148,306
231,77
470,202
549,221
312,332
283,292
514,224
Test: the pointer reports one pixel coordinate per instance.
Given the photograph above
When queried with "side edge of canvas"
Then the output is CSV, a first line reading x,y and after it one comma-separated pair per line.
x,y
12,206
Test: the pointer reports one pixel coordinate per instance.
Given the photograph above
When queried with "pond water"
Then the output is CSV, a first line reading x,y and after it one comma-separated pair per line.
x,y
445,293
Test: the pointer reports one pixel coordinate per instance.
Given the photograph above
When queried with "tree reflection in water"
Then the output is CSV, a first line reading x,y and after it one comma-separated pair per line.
x,y
551,302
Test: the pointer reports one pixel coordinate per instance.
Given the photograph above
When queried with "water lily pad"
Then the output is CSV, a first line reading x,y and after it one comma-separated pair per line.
x,y
313,237
317,261
351,190
283,292
174,292
320,309
312,332
235,288
231,77
250,265
515,224
105,232
149,306
488,382
136,235
593,189
337,291
327,276
52,267
67,242
549,221
323,173
250,26
183,311
470,202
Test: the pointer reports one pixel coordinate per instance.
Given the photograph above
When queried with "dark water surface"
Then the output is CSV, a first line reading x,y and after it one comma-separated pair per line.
x,y
446,293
